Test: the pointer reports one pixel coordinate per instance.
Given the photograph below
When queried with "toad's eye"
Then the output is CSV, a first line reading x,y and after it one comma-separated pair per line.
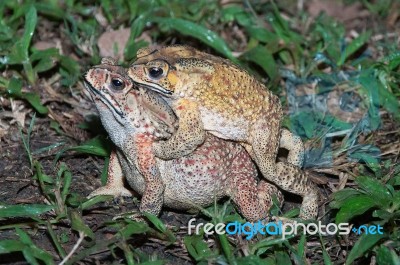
x,y
155,72
118,84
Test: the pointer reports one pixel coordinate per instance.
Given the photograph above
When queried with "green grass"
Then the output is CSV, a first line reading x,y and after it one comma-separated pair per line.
x,y
277,53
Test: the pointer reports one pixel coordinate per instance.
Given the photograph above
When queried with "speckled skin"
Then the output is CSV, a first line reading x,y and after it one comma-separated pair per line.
x,y
134,119
210,94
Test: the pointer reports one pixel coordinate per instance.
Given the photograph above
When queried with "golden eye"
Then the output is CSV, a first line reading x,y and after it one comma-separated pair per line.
x,y
156,72
117,84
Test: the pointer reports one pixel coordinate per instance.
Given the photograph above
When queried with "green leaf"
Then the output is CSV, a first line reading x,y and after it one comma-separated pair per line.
x,y
282,258
396,200
229,13
330,38
19,52
14,87
95,200
295,255
292,213
70,71
154,262
134,228
47,54
31,251
47,59
354,206
261,56
262,34
327,259
95,146
199,32
39,175
254,260
367,153
160,226
340,197
382,214
304,123
79,225
14,90
370,83
301,246
197,248
138,25
156,222
67,179
51,9
386,256
34,100
8,246
387,99
268,242
104,172
363,244
393,59
29,257
379,193
23,210
281,26
136,29
353,46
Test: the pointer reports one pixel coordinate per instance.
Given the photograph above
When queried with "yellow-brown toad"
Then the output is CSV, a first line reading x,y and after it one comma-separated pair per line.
x,y
211,94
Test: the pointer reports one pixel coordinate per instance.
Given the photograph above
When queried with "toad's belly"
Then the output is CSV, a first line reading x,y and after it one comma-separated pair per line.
x,y
189,190
199,178
232,128
184,189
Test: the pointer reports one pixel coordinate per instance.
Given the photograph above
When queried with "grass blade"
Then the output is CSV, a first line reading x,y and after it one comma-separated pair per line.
x,y
199,32
353,207
24,210
363,244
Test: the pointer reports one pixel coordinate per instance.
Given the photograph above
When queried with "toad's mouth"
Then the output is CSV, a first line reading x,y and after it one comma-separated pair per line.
x,y
155,89
96,93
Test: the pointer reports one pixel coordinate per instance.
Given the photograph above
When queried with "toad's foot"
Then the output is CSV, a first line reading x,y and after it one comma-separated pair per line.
x,y
112,191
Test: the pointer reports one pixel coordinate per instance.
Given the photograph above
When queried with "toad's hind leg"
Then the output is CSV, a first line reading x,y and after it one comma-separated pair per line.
x,y
294,145
293,179
252,200
264,141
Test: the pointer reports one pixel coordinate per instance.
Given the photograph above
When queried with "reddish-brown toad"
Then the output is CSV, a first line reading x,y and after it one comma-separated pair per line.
x,y
210,94
134,119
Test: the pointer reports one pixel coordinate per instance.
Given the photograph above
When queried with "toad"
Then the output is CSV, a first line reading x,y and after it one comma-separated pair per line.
x,y
211,95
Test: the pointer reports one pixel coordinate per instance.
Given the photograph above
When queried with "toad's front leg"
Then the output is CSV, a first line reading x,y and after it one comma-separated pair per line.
x,y
152,198
115,180
188,137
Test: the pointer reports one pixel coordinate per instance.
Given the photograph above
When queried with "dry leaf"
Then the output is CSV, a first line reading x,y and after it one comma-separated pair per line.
x,y
18,112
112,43
337,10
